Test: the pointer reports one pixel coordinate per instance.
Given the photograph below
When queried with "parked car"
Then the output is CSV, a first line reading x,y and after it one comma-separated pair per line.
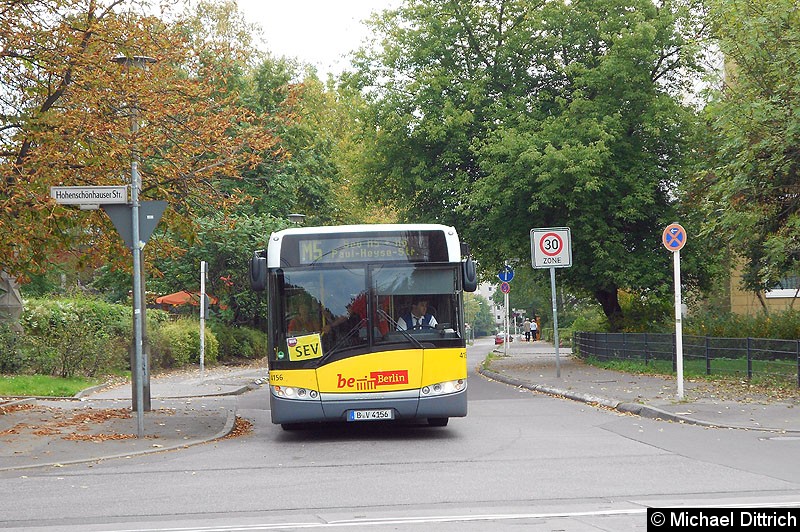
x,y
498,339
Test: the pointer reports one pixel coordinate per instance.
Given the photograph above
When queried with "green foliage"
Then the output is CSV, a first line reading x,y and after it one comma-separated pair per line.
x,y
754,122
226,243
477,312
309,173
239,342
564,335
89,337
659,319
593,321
540,114
643,314
113,285
784,325
76,336
177,344
42,284
10,356
61,126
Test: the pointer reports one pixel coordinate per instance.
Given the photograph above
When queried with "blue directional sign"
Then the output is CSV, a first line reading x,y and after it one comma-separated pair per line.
x,y
506,274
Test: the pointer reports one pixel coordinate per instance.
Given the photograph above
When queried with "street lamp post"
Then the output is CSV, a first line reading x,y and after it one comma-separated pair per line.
x,y
137,61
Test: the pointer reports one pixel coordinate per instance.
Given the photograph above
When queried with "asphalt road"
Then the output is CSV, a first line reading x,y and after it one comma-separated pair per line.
x,y
518,460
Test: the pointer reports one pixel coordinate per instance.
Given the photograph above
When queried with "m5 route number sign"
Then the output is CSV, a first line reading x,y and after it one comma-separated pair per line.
x,y
551,247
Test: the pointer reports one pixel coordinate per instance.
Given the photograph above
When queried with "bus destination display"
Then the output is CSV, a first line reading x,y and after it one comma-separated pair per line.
x,y
371,249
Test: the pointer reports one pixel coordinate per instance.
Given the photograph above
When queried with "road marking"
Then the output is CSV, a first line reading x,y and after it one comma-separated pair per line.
x,y
391,521
444,519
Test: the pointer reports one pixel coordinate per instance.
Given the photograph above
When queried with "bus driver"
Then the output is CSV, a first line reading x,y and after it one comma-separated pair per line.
x,y
418,318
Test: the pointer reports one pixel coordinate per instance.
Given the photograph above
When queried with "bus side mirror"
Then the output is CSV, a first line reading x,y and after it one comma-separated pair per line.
x,y
258,272
469,276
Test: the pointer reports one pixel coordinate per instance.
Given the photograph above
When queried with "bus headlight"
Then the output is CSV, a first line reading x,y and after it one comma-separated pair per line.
x,y
291,392
444,388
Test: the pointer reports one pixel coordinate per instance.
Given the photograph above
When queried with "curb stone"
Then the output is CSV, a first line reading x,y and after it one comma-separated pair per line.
x,y
637,409
230,422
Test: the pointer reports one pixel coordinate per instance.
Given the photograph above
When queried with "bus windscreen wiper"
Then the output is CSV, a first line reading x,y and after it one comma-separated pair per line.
x,y
408,336
342,341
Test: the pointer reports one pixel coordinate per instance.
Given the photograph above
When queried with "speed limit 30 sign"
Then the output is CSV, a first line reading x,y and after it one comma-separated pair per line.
x,y
551,247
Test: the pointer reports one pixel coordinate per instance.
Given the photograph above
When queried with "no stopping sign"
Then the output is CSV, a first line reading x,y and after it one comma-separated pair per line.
x,y
551,247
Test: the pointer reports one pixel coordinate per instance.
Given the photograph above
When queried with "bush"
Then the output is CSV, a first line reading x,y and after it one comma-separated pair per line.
x,y
239,342
72,336
90,337
590,322
177,344
10,355
780,325
75,336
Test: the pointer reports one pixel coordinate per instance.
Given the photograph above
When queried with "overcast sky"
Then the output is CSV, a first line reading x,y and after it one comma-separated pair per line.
x,y
319,32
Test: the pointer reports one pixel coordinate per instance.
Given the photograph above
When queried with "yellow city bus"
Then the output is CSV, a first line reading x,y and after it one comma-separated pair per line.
x,y
344,344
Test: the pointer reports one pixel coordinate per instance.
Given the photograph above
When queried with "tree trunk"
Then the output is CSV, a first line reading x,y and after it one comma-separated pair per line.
x,y
609,300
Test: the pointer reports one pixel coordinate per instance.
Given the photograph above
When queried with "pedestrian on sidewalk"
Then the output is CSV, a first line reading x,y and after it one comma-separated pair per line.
x,y
534,330
526,328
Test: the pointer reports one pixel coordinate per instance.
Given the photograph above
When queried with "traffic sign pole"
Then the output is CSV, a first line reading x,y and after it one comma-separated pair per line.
x,y
506,338
674,238
505,275
676,257
555,319
137,300
552,248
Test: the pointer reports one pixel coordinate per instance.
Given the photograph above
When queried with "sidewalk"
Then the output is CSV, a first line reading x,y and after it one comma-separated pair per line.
x,y
532,365
187,409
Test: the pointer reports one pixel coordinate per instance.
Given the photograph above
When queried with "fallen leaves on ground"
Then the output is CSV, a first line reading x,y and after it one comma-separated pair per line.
x,y
100,437
73,425
240,428
10,409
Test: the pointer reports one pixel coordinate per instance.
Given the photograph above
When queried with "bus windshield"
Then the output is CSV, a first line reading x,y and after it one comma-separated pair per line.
x,y
355,308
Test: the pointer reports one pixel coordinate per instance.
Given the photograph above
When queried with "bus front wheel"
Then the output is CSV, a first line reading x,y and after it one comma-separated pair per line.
x,y
438,421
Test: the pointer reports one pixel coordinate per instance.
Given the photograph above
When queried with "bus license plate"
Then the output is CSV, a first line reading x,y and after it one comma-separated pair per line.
x,y
370,415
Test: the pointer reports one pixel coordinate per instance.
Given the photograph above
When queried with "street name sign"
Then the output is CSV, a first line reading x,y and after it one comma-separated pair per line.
x,y
551,247
90,195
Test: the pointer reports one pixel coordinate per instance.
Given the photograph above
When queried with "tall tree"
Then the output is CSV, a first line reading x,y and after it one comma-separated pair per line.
x,y
305,178
478,314
503,115
67,114
754,177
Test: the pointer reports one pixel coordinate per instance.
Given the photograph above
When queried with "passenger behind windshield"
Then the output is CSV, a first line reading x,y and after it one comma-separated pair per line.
x,y
356,317
306,318
418,317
